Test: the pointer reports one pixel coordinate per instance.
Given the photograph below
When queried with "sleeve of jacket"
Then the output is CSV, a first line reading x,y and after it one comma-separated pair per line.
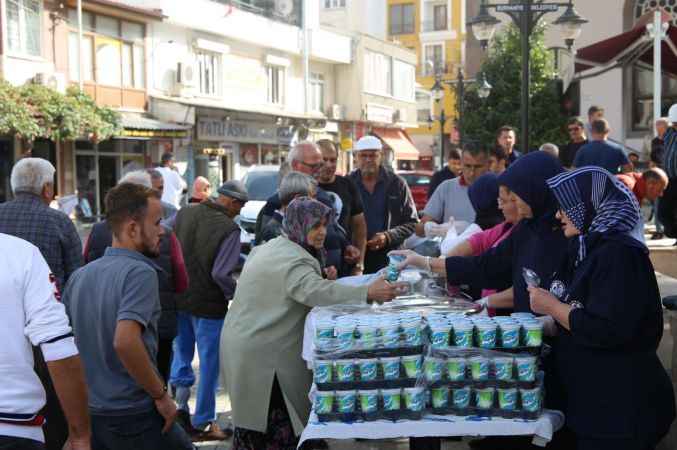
x,y
619,295
491,270
305,285
409,217
72,249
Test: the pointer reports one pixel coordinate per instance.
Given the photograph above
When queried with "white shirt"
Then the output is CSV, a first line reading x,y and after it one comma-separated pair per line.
x,y
173,186
29,314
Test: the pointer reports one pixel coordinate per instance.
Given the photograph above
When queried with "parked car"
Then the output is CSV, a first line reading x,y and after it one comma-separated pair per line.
x,y
418,182
261,183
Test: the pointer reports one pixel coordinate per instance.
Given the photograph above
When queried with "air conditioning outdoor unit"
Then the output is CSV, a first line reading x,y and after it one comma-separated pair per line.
x,y
337,112
400,115
186,79
56,81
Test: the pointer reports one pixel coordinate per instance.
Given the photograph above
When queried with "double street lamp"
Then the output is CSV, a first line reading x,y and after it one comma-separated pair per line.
x,y
437,90
526,14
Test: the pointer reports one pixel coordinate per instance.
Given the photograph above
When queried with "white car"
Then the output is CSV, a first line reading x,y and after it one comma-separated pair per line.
x,y
261,183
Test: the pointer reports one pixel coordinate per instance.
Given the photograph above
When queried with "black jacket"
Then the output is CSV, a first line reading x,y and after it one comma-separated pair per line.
x,y
615,385
401,217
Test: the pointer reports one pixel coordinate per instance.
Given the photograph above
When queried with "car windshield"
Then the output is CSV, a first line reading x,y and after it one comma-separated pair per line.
x,y
261,184
414,179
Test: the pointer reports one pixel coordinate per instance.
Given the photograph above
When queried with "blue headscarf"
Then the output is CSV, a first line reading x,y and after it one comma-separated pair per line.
x,y
527,177
301,216
483,194
598,204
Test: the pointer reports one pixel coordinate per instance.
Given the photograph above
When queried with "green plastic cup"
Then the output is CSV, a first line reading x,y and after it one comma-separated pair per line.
x,y
413,366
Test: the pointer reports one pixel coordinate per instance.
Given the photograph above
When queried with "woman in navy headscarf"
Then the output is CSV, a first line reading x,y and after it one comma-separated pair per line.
x,y
483,195
607,308
536,242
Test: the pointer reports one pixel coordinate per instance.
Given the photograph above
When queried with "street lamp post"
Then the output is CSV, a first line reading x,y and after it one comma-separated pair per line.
x,y
526,14
483,91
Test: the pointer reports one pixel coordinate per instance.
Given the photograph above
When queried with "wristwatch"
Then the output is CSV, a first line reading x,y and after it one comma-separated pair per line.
x,y
359,266
164,391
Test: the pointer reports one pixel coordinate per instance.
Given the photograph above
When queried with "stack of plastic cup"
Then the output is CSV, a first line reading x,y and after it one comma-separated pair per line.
x,y
463,333
411,329
367,327
440,331
345,332
389,330
509,332
532,329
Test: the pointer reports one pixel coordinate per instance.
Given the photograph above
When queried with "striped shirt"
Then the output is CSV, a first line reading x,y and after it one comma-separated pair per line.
x,y
670,155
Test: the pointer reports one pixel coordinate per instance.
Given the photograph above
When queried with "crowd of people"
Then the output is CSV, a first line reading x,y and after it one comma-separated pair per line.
x,y
115,326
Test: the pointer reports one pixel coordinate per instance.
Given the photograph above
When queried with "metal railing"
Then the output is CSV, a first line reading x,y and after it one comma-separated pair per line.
x,y
435,25
266,8
425,70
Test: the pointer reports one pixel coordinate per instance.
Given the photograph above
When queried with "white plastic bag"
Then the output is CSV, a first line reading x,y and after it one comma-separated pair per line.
x,y
452,239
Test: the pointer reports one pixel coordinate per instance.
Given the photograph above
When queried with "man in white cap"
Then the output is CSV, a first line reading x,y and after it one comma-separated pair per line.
x,y
667,206
388,205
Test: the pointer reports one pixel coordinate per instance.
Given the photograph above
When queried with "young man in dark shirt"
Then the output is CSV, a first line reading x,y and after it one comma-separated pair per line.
x,y
450,171
351,211
576,130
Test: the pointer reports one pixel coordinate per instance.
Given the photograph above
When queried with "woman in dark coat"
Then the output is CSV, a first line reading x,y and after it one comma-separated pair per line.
x,y
607,308
536,243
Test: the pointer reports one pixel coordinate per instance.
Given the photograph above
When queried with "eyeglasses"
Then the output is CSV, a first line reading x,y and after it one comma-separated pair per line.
x,y
315,166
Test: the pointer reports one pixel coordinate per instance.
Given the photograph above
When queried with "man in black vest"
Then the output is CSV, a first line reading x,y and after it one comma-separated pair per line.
x,y
211,246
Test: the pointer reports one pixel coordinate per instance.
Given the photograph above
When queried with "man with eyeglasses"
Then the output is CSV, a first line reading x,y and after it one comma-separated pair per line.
x,y
306,158
388,204
577,139
450,199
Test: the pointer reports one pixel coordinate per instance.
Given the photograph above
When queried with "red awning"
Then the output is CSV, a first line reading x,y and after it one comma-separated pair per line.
x,y
399,141
630,47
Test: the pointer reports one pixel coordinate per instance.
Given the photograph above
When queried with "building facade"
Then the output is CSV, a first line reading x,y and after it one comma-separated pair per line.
x,y
436,31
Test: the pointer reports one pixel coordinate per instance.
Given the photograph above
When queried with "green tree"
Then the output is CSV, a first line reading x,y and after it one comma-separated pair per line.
x,y
503,70
33,111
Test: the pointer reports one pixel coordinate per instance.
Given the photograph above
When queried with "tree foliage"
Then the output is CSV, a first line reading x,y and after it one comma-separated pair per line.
x,y
503,70
34,111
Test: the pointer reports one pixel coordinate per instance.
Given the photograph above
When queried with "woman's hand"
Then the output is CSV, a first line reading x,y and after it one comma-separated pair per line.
x,y
331,273
381,290
411,258
378,242
352,254
542,301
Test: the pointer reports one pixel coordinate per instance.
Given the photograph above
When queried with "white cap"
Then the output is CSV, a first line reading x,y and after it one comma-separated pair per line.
x,y
672,114
371,143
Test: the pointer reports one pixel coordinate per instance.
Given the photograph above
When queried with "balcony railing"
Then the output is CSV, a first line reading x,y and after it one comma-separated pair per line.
x,y
426,70
266,8
429,26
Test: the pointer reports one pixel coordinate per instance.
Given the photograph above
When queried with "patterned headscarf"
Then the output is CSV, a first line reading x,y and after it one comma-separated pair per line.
x,y
301,215
596,202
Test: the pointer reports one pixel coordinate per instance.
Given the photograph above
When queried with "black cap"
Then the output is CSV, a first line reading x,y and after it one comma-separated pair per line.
x,y
234,189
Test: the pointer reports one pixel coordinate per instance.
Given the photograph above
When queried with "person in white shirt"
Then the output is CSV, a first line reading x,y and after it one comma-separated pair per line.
x,y
174,185
30,314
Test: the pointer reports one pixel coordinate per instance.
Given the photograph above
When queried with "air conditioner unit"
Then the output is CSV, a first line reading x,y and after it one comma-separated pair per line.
x,y
56,81
400,115
337,112
284,7
186,79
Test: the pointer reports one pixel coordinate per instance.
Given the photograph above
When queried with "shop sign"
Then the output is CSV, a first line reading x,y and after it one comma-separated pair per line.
x,y
379,113
154,134
209,129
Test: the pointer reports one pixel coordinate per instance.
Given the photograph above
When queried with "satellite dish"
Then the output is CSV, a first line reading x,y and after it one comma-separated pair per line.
x,y
284,7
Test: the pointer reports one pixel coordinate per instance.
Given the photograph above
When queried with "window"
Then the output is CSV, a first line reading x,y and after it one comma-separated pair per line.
x,y
317,92
87,57
329,4
435,54
642,93
275,94
23,26
404,81
440,17
378,73
208,70
113,51
423,106
402,19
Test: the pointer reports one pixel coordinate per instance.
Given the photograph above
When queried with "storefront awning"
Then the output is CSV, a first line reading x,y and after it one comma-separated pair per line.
x,y
138,126
399,141
628,48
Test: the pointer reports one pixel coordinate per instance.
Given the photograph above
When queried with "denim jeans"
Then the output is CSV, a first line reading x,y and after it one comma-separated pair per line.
x,y
17,443
207,334
137,432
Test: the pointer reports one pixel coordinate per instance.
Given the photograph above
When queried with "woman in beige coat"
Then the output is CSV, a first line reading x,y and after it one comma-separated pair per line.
x,y
262,336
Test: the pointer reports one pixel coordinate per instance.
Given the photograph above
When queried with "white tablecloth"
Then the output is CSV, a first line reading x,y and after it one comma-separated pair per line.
x,y
433,426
